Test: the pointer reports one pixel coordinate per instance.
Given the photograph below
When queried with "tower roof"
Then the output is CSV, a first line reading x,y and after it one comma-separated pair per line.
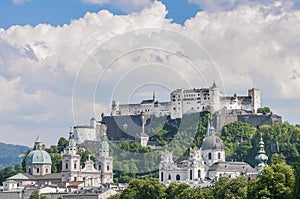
x,y
38,157
38,140
211,141
71,141
104,143
261,156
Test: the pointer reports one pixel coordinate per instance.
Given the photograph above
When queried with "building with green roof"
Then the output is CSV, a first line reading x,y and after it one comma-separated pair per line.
x,y
38,162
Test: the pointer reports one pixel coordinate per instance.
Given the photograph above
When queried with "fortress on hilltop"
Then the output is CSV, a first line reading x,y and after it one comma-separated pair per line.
x,y
125,120
184,101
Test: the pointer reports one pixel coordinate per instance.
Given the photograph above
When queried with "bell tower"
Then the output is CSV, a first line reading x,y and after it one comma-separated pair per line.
x,y
70,161
104,162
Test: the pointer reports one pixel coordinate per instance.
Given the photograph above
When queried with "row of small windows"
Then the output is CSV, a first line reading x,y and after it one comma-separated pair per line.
x,y
37,170
209,156
178,176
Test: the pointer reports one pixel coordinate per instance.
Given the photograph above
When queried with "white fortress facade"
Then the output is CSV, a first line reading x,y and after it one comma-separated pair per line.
x,y
183,101
90,132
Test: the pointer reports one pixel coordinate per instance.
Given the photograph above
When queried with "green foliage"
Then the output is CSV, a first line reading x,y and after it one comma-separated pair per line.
x,y
276,181
36,195
8,172
84,155
231,188
141,189
296,191
11,154
264,110
62,144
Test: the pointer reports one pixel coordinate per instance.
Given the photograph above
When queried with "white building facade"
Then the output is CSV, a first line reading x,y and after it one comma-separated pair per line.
x,y
208,162
184,101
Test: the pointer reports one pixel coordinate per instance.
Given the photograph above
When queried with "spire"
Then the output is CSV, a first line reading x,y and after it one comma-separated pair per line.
x,y
38,144
71,141
104,143
261,156
38,140
214,84
210,131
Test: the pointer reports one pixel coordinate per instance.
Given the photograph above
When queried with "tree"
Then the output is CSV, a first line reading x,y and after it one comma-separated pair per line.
x,y
276,181
264,110
231,188
62,144
174,190
296,191
36,195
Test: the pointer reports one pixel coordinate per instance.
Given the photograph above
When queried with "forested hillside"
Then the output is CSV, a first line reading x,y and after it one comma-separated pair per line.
x,y
11,154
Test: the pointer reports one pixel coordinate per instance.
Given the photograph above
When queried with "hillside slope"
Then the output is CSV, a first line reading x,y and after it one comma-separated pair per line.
x,y
11,154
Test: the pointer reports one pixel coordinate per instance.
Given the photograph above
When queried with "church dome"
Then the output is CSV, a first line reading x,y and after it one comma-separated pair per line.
x,y
212,143
38,157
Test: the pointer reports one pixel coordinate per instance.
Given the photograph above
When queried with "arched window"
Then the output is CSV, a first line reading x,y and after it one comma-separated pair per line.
x,y
191,175
219,156
169,177
107,168
162,176
46,170
75,166
199,173
38,170
67,166
177,177
209,155
29,170
99,168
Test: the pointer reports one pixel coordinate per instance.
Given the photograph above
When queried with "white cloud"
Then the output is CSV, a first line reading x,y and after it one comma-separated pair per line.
x,y
226,5
21,1
255,45
124,5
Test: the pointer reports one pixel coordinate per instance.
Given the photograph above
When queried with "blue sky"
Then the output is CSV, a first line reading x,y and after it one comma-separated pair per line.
x,y
59,12
251,43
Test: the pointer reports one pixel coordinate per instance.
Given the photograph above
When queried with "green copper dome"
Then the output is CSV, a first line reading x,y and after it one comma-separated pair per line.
x,y
38,157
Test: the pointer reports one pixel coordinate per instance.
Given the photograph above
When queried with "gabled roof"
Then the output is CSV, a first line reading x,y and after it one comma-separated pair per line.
x,y
22,176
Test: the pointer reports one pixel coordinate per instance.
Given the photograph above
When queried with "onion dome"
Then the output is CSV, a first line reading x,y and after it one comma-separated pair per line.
x,y
261,156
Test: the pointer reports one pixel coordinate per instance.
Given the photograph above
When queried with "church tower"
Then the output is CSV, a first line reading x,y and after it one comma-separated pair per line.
x,y
70,161
212,147
104,162
261,156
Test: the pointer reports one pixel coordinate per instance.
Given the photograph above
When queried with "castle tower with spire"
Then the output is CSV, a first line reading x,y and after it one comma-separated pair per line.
x,y
261,157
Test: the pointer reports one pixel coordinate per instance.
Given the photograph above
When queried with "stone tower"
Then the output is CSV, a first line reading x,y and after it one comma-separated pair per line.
x,y
70,161
104,162
214,98
261,156
255,99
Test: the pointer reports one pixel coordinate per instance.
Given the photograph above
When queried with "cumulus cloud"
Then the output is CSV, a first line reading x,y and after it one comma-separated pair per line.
x,y
226,5
47,71
124,5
